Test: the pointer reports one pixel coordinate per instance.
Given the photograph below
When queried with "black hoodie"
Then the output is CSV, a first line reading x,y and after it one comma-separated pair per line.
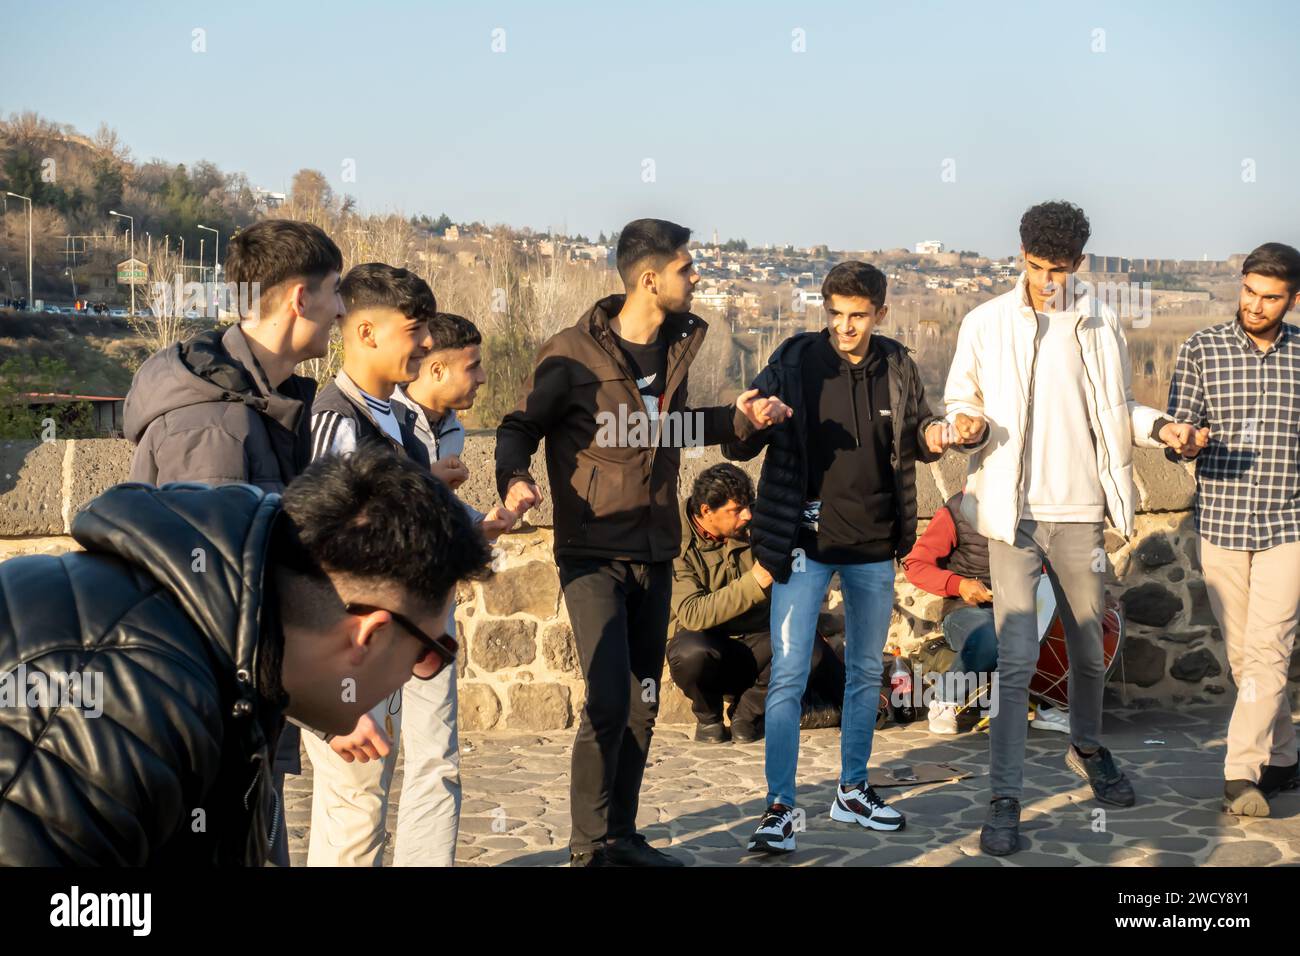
x,y
849,440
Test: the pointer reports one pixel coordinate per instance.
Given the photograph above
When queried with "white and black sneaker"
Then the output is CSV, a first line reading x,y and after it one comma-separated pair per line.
x,y
860,804
775,833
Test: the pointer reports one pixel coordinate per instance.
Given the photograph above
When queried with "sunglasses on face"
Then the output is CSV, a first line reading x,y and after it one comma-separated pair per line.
x,y
436,652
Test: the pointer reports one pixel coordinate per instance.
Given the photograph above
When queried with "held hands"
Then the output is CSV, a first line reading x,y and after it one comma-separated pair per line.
x,y
762,575
497,522
963,430
450,470
1187,440
974,592
970,428
522,494
762,412
364,744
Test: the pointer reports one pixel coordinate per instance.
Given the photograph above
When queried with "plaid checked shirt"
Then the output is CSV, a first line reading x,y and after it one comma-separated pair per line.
x,y
1248,478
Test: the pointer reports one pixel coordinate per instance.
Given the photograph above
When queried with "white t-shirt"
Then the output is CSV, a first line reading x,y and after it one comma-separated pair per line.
x,y
1060,477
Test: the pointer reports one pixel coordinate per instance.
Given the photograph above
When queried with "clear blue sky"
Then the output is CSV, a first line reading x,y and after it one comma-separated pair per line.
x,y
842,144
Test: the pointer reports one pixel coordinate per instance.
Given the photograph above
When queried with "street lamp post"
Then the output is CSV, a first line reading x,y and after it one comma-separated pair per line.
x,y
131,221
28,200
216,241
74,283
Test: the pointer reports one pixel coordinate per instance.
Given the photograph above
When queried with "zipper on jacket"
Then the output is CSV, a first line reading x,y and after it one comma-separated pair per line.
x,y
1092,389
1024,432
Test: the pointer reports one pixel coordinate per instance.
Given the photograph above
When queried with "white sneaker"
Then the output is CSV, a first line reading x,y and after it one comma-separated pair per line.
x,y
1052,718
860,804
943,717
775,833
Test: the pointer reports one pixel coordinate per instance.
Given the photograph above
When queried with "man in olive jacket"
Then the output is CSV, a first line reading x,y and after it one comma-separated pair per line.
x,y
609,397
720,643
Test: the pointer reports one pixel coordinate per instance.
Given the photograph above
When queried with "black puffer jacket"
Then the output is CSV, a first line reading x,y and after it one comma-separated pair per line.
x,y
166,606
784,478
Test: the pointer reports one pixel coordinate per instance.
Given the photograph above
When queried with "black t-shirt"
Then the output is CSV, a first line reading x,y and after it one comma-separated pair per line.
x,y
850,441
650,363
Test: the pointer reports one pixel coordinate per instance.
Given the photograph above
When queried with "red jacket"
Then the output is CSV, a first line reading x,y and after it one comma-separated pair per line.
x,y
922,563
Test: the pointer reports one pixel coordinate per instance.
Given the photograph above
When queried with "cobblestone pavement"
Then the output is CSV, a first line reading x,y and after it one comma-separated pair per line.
x,y
702,801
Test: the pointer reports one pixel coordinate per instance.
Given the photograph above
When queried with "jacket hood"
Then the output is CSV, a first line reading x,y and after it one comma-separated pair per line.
x,y
791,351
207,547
213,366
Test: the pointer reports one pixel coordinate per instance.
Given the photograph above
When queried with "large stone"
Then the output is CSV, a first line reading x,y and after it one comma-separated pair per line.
x,y
480,489
538,707
1195,666
532,588
559,649
1185,636
1143,662
919,604
674,707
504,643
1156,551
31,488
1151,604
929,497
1201,613
951,475
1112,540
96,467
479,707
1164,485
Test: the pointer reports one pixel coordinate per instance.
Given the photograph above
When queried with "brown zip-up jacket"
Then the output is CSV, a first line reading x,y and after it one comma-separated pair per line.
x,y
614,493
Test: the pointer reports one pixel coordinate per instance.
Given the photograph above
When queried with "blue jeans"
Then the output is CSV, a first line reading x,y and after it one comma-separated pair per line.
x,y
868,603
969,631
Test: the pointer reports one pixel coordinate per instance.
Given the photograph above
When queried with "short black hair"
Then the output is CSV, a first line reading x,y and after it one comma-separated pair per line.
x,y
642,239
857,279
1276,260
275,251
1056,231
451,331
377,516
379,285
718,484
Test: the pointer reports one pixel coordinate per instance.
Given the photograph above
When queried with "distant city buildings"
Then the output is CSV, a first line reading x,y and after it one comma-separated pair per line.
x,y
929,248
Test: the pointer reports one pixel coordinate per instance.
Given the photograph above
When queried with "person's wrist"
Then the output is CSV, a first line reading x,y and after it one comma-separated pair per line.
x,y
1159,426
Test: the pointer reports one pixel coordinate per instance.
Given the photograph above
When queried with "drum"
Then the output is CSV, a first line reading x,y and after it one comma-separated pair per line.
x,y
1051,681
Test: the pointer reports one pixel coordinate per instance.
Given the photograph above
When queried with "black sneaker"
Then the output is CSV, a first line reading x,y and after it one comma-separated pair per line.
x,y
712,733
746,732
635,851
1273,780
1109,785
1242,798
775,833
594,857
860,804
1001,833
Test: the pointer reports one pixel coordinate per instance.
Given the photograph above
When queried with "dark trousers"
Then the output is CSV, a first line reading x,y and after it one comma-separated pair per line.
x,y
708,664
619,614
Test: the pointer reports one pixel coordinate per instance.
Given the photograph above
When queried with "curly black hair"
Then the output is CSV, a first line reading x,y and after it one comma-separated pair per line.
x,y
719,484
375,515
1056,231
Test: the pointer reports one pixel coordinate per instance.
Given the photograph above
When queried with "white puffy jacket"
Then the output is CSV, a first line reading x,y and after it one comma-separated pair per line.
x,y
992,376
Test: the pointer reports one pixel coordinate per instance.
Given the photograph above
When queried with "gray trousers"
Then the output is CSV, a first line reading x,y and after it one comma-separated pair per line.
x,y
1076,561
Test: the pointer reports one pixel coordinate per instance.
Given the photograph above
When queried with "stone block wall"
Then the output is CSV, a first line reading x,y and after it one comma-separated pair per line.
x,y
520,666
